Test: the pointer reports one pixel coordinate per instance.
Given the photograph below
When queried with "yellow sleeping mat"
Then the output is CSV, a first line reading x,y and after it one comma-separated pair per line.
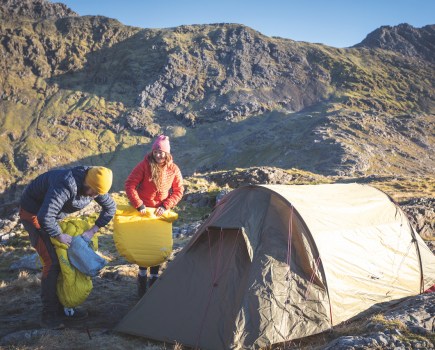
x,y
143,239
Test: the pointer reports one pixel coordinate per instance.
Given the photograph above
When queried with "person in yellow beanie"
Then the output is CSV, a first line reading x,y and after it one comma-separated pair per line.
x,y
48,198
99,179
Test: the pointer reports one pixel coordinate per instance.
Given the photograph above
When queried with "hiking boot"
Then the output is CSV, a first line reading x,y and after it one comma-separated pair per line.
x,y
152,280
74,314
141,285
51,321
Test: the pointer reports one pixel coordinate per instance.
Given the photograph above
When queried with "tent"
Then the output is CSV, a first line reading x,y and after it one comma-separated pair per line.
x,y
275,262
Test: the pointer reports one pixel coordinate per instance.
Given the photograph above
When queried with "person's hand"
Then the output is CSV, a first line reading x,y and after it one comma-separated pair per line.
x,y
64,238
142,209
87,235
160,211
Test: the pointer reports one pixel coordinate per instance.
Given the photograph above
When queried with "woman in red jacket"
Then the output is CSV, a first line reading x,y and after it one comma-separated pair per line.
x,y
155,182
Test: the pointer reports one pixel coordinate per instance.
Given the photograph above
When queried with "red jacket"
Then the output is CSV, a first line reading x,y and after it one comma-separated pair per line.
x,y
142,190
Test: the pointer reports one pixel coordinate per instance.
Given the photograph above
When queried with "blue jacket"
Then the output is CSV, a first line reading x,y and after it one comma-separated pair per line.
x,y
57,193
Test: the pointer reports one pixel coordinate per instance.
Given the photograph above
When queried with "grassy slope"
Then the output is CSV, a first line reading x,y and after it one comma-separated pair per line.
x,y
68,87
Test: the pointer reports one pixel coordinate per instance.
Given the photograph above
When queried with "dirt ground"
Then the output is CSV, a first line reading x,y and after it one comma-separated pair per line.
x,y
113,295
108,302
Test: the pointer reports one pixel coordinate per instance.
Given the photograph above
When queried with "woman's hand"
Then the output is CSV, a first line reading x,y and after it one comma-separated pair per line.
x,y
160,211
142,209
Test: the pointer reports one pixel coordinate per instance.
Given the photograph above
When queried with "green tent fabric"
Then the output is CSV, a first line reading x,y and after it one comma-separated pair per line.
x,y
275,263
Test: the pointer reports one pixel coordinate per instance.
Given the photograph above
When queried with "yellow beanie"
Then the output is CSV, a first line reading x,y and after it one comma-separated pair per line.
x,y
99,179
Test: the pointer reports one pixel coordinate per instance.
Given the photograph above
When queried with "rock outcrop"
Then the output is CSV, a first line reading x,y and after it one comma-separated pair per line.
x,y
35,9
405,39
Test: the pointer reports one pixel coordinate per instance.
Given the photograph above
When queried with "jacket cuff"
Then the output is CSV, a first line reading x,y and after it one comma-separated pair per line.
x,y
142,207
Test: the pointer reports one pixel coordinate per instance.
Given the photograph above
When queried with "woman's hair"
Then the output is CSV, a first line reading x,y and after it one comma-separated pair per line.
x,y
157,169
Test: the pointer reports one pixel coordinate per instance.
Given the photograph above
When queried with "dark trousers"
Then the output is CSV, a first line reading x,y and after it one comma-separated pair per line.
x,y
154,270
40,240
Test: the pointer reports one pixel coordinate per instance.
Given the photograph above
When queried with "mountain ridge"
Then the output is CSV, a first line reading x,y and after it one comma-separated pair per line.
x,y
35,9
90,89
405,39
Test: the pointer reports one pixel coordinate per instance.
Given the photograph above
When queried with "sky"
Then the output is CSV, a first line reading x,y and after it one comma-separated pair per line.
x,y
337,23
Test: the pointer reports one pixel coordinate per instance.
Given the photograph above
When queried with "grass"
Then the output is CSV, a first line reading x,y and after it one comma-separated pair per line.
x,y
16,247
404,188
360,327
406,335
23,283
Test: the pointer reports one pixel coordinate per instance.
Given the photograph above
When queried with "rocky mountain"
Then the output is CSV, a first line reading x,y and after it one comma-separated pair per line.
x,y
407,40
34,9
90,90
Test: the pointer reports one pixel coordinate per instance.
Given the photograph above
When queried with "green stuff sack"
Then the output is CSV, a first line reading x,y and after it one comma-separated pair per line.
x,y
73,287
143,239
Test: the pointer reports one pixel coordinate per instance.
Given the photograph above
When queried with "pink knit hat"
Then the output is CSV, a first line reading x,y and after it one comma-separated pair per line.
x,y
162,143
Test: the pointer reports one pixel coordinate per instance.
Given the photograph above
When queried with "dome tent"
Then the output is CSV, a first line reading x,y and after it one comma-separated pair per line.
x,y
275,263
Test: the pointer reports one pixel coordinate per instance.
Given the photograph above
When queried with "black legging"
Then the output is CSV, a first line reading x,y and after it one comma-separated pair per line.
x,y
154,270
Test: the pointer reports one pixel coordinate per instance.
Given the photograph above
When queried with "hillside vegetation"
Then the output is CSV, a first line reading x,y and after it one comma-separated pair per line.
x,y
90,90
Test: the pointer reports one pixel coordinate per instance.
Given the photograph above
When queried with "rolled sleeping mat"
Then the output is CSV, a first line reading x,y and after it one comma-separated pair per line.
x,y
143,239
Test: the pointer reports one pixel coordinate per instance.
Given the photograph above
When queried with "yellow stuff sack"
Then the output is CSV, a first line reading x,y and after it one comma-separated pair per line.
x,y
143,239
73,287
